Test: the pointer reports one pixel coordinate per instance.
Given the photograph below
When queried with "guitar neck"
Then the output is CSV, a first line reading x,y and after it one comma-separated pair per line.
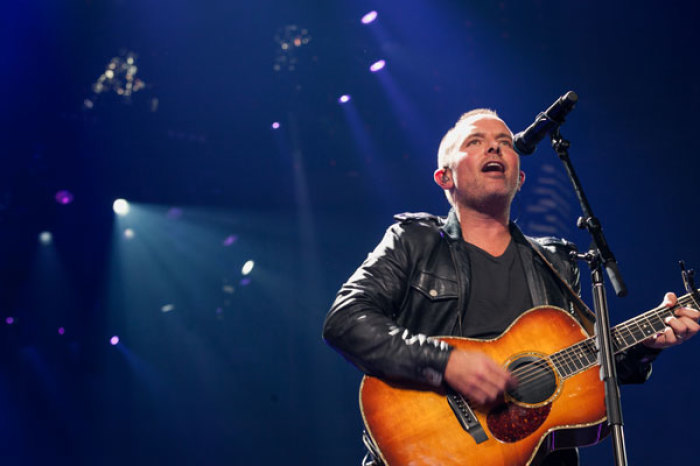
x,y
583,355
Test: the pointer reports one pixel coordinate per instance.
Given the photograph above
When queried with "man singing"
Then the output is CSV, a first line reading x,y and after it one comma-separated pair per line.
x,y
470,275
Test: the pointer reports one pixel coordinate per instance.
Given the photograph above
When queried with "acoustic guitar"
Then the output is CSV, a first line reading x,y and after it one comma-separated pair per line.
x,y
559,401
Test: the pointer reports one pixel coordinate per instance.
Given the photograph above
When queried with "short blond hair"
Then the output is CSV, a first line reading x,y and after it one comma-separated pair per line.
x,y
453,137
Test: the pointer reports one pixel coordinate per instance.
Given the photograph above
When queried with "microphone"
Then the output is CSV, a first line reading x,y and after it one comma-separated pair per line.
x,y
526,141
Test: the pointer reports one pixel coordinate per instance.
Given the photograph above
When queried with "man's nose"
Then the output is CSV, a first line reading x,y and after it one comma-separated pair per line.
x,y
494,148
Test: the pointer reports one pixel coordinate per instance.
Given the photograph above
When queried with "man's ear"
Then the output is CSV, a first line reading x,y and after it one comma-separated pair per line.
x,y
443,177
521,179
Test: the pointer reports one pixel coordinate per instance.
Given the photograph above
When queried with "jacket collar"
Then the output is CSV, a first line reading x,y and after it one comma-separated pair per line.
x,y
452,227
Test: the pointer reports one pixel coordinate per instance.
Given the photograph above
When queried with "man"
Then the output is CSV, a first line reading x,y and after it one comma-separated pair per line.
x,y
471,274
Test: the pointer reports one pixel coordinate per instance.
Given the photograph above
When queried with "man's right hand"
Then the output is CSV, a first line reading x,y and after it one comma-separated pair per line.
x,y
477,376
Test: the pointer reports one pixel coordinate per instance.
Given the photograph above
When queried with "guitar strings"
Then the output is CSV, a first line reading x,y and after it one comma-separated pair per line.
x,y
536,372
568,358
573,357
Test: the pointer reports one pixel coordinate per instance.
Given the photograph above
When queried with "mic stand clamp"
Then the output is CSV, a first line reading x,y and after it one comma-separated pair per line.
x,y
599,257
606,356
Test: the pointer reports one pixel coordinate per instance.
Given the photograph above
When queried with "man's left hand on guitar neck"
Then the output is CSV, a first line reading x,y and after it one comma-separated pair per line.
x,y
680,328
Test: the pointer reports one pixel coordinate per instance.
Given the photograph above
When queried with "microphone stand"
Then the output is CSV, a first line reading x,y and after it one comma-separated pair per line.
x,y
600,256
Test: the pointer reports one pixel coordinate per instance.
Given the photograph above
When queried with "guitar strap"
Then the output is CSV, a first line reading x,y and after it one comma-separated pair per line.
x,y
583,312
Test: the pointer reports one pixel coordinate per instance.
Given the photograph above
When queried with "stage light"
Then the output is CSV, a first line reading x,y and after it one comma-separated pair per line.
x,y
344,99
120,207
377,65
64,197
167,308
369,17
290,39
61,330
45,238
119,77
230,239
10,320
114,340
245,281
128,233
247,267
276,125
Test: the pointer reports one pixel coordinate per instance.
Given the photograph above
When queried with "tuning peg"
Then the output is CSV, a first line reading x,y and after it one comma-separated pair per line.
x,y
689,283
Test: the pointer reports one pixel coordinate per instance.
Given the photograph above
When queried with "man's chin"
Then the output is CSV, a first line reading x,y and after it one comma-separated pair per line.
x,y
494,201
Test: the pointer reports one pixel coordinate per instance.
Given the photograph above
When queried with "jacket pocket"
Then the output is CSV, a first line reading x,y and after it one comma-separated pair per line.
x,y
435,288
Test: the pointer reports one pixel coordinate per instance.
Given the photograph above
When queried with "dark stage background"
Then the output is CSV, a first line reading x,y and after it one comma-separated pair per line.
x,y
214,367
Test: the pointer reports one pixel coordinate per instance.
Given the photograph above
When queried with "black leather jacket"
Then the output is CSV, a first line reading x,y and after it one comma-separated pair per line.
x,y
415,284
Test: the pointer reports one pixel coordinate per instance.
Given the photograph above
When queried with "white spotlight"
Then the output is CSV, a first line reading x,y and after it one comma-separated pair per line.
x,y
369,17
247,267
45,238
121,207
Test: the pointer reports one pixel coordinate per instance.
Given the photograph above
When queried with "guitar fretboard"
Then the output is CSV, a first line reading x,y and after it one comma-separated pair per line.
x,y
583,355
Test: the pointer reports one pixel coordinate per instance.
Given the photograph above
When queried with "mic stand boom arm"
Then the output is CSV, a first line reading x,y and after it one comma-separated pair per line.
x,y
600,256
588,220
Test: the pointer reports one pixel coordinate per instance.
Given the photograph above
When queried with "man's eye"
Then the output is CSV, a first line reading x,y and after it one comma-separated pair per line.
x,y
472,142
507,142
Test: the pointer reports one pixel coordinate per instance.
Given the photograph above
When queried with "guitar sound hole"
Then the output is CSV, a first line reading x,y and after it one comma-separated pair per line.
x,y
536,380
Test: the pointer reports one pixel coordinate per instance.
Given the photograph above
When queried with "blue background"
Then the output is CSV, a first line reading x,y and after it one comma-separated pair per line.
x,y
236,373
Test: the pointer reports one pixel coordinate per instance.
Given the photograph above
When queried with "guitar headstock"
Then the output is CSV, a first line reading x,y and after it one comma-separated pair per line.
x,y
689,283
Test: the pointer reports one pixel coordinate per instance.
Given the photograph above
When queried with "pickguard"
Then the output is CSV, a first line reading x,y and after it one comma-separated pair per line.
x,y
510,422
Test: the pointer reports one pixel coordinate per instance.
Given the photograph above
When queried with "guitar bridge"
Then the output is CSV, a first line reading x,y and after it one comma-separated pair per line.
x,y
466,417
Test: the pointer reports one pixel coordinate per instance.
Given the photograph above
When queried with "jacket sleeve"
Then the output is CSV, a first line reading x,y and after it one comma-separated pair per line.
x,y
634,364
361,324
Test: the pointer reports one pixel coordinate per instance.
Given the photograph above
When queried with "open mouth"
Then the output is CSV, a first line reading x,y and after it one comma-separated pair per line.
x,y
493,166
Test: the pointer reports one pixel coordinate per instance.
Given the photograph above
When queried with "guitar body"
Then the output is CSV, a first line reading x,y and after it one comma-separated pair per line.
x,y
416,426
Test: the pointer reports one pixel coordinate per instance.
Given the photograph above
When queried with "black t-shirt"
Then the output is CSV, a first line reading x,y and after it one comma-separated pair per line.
x,y
498,292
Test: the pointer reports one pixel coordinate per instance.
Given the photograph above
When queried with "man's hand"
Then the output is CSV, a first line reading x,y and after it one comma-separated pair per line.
x,y
477,376
680,328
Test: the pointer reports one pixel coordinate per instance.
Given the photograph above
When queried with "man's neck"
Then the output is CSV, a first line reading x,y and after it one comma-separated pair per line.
x,y
484,229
